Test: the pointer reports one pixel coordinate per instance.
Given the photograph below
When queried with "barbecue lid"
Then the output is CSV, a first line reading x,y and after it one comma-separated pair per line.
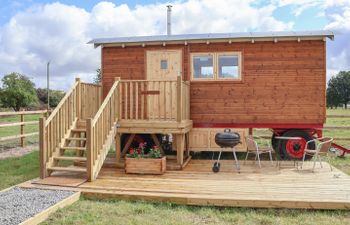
x,y
227,134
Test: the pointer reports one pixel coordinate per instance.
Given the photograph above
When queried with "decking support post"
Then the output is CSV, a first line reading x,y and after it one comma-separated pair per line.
x,y
89,151
117,146
78,98
42,148
180,145
179,99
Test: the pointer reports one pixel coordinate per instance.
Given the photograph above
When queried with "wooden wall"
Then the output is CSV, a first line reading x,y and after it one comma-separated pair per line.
x,y
283,82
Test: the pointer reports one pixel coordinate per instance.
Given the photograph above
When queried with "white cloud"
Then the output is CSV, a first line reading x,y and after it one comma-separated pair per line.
x,y
338,14
59,32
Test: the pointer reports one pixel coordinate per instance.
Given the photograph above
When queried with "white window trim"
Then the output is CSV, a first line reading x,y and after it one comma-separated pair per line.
x,y
216,66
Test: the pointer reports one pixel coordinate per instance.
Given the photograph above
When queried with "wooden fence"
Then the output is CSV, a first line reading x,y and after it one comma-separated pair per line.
x,y
339,127
22,123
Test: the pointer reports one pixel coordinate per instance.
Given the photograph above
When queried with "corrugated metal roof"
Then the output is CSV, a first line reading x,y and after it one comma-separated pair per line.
x,y
213,36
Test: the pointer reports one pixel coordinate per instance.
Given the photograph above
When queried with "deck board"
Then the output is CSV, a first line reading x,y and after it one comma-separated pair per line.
x,y
268,187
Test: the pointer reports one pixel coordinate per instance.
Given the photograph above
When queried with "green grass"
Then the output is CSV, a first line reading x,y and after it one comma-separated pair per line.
x,y
18,170
121,212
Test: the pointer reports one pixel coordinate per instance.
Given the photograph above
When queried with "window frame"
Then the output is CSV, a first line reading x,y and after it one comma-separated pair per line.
x,y
215,56
192,65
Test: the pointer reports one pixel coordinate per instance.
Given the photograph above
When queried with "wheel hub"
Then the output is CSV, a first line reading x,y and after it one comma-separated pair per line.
x,y
295,148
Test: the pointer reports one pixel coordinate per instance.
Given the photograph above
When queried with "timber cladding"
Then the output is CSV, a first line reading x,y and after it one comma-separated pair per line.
x,y
282,83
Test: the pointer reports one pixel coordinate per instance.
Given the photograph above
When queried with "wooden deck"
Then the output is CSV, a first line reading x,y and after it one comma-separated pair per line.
x,y
196,184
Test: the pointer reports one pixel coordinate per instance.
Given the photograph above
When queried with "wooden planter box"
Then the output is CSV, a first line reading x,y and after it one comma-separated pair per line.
x,y
145,165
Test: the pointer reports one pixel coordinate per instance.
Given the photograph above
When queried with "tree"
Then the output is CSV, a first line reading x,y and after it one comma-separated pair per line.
x,y
98,77
55,96
338,90
333,98
17,92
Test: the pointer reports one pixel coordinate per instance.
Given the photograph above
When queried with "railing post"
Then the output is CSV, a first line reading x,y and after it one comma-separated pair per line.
x,y
117,99
42,148
78,98
179,99
89,150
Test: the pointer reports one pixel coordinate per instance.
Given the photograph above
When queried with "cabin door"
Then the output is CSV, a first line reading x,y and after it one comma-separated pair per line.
x,y
164,64
163,67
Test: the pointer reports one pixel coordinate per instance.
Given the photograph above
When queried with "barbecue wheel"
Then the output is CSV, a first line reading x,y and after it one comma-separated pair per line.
x,y
216,167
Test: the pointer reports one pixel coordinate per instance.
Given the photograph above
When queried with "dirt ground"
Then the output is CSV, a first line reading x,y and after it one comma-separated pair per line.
x,y
17,151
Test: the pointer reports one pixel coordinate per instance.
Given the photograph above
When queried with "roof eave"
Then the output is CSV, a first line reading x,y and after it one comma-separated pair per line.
x,y
192,41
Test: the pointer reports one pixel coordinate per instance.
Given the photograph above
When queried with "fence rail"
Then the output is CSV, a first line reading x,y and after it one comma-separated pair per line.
x,y
22,124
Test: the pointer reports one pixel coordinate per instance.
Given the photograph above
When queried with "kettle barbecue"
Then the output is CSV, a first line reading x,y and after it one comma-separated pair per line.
x,y
226,139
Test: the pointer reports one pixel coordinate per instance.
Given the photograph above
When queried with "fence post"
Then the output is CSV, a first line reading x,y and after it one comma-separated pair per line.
x,y
42,148
179,99
89,149
22,131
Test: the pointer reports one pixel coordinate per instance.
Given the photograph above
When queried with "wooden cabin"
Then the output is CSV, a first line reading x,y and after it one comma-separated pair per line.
x,y
191,86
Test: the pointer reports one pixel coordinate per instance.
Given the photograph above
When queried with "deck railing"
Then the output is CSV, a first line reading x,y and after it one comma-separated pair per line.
x,y
80,101
101,130
157,100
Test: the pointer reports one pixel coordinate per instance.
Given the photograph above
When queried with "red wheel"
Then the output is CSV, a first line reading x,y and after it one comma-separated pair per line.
x,y
294,149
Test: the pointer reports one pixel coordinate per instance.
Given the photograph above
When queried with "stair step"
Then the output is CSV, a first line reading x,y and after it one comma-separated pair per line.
x,y
74,148
73,158
76,139
78,130
69,169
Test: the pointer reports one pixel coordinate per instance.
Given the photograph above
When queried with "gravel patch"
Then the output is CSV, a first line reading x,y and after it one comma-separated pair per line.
x,y
17,151
18,204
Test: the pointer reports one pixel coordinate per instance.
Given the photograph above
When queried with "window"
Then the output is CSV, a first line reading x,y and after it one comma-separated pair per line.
x,y
163,64
216,66
228,66
203,67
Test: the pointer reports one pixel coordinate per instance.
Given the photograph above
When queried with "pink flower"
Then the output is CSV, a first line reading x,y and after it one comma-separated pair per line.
x,y
131,151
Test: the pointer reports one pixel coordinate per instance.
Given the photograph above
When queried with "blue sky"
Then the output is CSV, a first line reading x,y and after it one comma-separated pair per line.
x,y
35,31
11,7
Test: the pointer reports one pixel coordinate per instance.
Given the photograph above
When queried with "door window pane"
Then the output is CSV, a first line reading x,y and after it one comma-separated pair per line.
x,y
203,67
228,66
164,64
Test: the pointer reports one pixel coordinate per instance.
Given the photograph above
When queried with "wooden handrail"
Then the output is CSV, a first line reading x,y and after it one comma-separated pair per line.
x,y
105,102
63,100
100,131
55,128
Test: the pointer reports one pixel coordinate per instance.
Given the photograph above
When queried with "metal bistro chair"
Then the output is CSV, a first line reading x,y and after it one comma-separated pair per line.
x,y
322,148
252,147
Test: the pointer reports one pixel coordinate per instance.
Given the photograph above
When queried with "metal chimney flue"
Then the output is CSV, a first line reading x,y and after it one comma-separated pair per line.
x,y
168,26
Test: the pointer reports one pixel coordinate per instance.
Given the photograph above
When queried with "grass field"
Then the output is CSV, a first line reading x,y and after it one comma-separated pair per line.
x,y
18,170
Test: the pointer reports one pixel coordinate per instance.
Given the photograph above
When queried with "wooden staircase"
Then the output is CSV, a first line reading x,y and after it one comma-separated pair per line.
x,y
80,131
73,151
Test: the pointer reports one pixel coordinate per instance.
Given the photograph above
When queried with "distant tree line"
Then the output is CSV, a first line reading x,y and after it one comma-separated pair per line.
x,y
338,90
18,92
